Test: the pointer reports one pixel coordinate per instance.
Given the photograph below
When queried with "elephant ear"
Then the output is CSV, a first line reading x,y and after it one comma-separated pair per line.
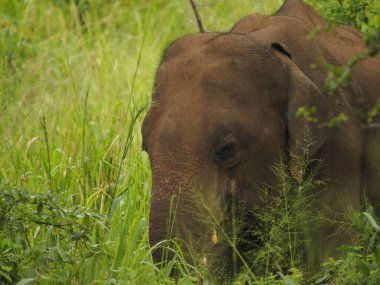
x,y
307,115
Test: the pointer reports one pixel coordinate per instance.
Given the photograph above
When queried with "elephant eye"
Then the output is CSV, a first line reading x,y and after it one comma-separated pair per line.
x,y
227,149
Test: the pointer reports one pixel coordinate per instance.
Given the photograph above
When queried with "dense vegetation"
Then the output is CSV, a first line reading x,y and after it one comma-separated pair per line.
x,y
75,81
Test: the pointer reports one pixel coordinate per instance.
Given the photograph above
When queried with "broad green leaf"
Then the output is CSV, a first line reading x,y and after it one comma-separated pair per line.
x,y
5,275
287,280
364,268
350,249
26,281
372,221
376,255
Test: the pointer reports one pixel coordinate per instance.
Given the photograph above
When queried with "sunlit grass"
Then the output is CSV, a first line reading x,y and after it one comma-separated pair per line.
x,y
72,100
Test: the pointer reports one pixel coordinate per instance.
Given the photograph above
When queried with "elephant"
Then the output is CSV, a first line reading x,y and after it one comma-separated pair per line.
x,y
226,108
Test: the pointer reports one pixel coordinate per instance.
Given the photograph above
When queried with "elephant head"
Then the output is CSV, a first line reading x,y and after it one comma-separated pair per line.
x,y
222,114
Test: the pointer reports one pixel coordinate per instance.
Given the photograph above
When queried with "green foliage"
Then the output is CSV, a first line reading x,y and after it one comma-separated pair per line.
x,y
339,119
373,41
362,15
307,113
41,240
340,76
373,112
359,264
285,222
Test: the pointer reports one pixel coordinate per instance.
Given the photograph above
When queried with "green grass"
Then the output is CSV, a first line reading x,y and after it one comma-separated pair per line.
x,y
73,98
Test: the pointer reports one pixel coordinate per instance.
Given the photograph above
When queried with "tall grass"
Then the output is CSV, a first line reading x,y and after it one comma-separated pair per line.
x,y
73,92
75,81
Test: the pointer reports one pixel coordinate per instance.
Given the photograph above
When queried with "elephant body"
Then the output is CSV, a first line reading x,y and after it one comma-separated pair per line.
x,y
224,112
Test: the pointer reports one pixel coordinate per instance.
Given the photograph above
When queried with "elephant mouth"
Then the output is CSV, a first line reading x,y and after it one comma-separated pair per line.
x,y
217,244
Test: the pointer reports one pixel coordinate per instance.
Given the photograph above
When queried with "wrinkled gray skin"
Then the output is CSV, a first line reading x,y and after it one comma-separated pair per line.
x,y
223,113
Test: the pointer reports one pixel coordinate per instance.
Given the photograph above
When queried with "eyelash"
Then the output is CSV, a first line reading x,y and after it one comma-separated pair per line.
x,y
227,148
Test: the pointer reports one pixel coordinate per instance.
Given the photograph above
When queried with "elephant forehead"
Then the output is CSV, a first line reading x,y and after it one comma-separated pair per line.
x,y
227,44
196,126
182,72
223,77
244,86
223,92
226,56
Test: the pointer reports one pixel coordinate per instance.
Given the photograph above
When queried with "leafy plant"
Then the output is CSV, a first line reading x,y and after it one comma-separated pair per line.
x,y
359,264
41,240
285,218
362,15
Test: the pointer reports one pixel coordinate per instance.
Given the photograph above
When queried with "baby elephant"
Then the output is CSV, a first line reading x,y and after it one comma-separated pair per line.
x,y
228,107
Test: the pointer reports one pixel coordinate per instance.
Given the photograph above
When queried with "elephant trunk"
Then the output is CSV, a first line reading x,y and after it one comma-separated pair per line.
x,y
170,186
198,223
158,230
187,212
